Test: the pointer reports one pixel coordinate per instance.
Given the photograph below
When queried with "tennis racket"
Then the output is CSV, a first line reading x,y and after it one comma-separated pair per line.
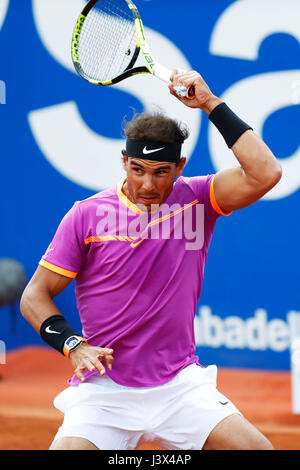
x,y
107,41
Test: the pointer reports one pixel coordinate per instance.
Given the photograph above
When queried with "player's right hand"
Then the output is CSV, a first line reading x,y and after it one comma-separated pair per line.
x,y
87,357
203,98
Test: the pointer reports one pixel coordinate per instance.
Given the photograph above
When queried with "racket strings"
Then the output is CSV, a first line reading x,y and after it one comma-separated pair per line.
x,y
115,9
107,40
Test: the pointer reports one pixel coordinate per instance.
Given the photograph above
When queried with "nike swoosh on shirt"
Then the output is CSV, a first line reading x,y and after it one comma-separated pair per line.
x,y
223,403
47,329
146,151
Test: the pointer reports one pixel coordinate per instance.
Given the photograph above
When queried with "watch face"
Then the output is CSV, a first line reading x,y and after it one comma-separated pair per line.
x,y
72,342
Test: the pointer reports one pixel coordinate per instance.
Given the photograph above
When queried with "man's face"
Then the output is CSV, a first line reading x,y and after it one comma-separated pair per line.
x,y
149,182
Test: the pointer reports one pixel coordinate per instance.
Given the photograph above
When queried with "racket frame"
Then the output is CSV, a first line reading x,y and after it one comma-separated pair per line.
x,y
151,67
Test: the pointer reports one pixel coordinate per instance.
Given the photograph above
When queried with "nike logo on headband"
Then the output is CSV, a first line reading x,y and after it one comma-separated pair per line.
x,y
52,331
146,151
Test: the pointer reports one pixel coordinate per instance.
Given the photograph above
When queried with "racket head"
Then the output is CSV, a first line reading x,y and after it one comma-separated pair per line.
x,y
106,42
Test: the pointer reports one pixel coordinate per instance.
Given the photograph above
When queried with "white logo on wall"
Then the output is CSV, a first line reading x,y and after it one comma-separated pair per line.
x,y
257,97
256,333
3,10
74,149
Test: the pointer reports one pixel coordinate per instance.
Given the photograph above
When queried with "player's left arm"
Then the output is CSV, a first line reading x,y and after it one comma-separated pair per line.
x,y
259,171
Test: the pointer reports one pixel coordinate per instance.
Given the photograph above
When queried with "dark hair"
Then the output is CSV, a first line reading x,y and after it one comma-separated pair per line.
x,y
155,127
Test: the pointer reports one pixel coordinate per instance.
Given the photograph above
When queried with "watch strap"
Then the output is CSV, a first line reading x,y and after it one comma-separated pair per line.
x,y
67,351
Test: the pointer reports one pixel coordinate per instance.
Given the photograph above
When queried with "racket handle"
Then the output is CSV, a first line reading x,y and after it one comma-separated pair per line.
x,y
164,74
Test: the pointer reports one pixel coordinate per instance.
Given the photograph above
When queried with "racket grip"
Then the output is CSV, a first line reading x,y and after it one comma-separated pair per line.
x,y
164,74
184,92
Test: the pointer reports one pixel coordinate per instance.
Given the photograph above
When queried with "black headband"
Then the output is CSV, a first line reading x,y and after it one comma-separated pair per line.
x,y
157,151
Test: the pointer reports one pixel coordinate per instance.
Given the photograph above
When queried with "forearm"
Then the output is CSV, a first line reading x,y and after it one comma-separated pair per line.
x,y
36,306
256,159
258,164
259,171
40,311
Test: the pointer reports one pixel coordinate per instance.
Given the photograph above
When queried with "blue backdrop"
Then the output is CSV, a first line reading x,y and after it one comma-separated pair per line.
x,y
52,121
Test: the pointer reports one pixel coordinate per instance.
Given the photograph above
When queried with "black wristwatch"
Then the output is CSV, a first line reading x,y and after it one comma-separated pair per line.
x,y
72,343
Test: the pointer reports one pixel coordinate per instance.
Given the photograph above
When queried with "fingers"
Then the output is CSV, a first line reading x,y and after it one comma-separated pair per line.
x,y
200,92
103,354
109,361
85,365
92,361
183,99
174,73
188,79
185,80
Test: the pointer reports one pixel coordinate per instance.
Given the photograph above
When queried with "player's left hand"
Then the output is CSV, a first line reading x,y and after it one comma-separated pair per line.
x,y
203,99
87,357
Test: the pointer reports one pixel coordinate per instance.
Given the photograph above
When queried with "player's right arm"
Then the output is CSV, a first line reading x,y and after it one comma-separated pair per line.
x,y
37,299
37,305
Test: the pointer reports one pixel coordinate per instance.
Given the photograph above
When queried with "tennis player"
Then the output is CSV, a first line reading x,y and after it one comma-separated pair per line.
x,y
136,375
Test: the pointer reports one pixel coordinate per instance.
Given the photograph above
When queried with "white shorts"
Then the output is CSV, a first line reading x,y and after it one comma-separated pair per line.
x,y
178,415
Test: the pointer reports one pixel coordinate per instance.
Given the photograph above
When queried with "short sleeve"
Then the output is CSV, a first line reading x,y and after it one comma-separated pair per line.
x,y
203,188
66,253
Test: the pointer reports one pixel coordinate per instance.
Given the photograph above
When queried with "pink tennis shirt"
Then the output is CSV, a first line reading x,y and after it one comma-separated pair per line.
x,y
138,276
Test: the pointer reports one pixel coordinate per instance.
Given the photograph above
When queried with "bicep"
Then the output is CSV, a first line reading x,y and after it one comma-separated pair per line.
x,y
235,190
47,281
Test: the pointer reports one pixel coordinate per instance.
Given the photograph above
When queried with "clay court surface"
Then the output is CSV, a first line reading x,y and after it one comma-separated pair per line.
x,y
32,376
